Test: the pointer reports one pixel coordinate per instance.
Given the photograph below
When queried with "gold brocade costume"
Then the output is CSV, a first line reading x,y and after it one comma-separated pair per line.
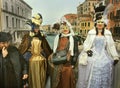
x,y
37,65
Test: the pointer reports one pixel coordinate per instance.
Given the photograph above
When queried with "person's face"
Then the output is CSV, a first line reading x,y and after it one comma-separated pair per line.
x,y
100,24
65,30
4,44
36,30
1,45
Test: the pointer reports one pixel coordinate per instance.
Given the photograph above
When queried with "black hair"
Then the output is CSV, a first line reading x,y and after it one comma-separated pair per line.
x,y
102,29
101,32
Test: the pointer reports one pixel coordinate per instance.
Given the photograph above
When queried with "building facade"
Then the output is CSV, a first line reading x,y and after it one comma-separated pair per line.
x,y
85,13
114,18
46,28
13,15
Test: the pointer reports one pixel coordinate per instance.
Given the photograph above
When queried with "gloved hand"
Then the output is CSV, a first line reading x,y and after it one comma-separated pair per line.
x,y
90,53
115,62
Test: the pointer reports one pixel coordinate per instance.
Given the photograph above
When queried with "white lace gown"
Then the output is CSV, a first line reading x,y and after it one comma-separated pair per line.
x,y
98,72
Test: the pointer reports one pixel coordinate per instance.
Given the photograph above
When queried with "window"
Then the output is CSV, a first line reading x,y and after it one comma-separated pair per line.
x,y
85,31
80,31
19,23
82,24
7,25
118,14
16,23
6,6
13,22
88,24
18,10
89,3
85,24
22,12
12,9
111,15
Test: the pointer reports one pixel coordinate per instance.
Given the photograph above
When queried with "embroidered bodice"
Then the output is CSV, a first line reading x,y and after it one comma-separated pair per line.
x,y
62,43
99,44
36,46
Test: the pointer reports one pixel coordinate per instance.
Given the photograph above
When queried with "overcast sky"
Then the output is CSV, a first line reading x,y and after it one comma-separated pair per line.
x,y
52,10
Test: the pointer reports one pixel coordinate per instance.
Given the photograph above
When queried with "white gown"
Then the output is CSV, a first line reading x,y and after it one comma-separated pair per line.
x,y
98,72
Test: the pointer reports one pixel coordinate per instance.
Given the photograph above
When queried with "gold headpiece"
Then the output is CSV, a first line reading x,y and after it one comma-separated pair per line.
x,y
37,19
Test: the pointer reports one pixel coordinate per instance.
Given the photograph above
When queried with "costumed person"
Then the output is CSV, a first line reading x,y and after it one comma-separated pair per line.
x,y
36,50
13,67
62,73
116,76
98,55
37,65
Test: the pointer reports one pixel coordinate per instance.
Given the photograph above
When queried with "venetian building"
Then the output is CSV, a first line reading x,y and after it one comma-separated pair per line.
x,y
46,28
114,18
13,15
85,12
72,18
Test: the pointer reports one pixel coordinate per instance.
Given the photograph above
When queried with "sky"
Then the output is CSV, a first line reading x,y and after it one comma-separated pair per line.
x,y
53,10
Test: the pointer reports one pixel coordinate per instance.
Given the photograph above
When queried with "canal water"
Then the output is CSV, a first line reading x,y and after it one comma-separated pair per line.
x,y
50,39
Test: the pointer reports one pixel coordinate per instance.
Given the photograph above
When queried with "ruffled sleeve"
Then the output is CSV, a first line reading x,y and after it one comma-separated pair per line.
x,y
89,40
111,45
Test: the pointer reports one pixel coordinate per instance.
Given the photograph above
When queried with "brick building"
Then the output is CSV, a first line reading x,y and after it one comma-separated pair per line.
x,y
114,18
85,12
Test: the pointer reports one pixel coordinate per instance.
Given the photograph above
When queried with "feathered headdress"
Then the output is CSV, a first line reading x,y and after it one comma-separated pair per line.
x,y
35,21
101,11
